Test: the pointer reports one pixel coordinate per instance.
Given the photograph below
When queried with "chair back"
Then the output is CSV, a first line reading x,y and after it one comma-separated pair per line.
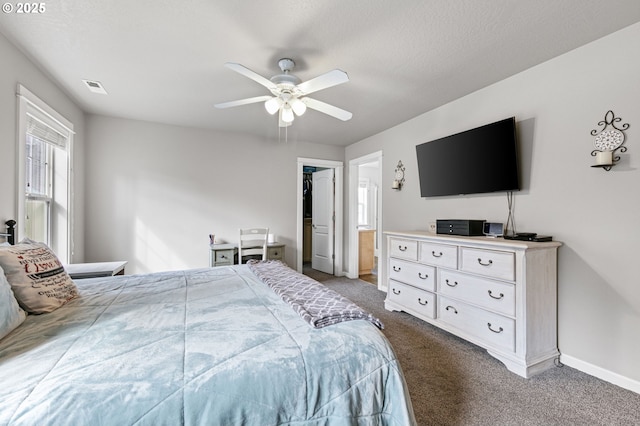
x,y
253,242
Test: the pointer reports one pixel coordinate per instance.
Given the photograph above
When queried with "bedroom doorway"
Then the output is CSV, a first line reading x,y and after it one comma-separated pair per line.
x,y
320,247
365,217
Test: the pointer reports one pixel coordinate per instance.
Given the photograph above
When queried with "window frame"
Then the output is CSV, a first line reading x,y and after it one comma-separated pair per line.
x,y
45,196
61,232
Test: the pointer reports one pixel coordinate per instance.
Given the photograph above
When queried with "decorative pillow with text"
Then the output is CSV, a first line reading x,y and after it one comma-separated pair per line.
x,y
37,277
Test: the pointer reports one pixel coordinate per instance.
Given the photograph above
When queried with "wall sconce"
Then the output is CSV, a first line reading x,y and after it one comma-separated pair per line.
x,y
398,180
607,142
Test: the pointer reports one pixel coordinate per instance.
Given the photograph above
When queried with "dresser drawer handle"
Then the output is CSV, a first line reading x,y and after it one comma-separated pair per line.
x,y
485,264
423,277
455,283
494,297
395,291
422,303
455,311
222,256
433,253
500,329
401,248
397,269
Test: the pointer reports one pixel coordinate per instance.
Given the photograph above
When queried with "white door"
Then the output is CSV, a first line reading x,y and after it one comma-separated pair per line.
x,y
322,226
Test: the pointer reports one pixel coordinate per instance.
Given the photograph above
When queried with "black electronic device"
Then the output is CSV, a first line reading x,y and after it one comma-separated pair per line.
x,y
460,227
529,236
479,160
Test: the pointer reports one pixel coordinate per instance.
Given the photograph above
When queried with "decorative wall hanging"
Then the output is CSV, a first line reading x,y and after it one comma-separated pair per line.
x,y
608,140
398,179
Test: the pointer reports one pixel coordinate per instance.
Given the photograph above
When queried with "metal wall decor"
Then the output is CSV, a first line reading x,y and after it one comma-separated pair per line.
x,y
398,179
608,140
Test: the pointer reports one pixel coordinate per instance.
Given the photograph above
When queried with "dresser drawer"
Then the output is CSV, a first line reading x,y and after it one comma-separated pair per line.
x,y
275,253
490,263
491,329
224,257
417,275
416,300
495,295
403,249
439,255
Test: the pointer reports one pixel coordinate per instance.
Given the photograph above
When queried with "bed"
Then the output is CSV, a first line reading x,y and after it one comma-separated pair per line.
x,y
202,346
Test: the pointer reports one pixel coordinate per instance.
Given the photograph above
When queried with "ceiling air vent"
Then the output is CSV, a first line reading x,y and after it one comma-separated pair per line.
x,y
95,86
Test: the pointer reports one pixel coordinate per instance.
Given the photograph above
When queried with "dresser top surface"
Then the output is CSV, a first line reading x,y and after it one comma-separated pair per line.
x,y
460,239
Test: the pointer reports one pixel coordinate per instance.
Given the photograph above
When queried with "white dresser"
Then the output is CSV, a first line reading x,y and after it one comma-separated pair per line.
x,y
499,294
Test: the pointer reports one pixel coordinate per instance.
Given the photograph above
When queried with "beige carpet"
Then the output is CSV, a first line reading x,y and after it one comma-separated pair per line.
x,y
453,382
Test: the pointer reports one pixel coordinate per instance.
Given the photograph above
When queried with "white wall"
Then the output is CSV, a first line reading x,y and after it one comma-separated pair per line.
x,y
593,212
155,192
17,68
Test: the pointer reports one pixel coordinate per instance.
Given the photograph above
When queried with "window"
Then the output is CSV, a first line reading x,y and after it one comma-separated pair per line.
x,y
37,220
363,202
44,169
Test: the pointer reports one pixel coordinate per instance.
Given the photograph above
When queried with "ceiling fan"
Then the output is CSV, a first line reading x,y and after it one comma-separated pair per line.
x,y
289,94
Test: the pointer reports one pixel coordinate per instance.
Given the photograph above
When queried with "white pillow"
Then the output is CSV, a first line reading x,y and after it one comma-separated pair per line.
x,y
11,315
37,278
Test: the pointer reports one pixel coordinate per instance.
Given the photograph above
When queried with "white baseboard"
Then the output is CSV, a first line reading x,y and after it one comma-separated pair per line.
x,y
601,373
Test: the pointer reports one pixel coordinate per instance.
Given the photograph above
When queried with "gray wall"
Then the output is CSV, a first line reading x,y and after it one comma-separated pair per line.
x,y
593,212
17,68
154,192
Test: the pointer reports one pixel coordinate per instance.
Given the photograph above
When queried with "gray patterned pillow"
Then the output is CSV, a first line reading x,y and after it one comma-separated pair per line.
x,y
37,278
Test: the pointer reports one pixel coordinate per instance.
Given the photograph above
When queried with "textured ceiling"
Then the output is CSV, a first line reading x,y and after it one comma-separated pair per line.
x,y
163,61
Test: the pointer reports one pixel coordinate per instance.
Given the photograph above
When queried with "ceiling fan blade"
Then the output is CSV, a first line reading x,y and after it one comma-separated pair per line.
x,y
327,109
241,69
243,101
324,81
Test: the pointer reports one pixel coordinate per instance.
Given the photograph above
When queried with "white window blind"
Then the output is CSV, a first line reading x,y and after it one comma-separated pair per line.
x,y
45,129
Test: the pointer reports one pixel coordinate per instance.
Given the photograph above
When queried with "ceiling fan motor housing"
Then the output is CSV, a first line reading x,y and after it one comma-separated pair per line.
x,y
286,81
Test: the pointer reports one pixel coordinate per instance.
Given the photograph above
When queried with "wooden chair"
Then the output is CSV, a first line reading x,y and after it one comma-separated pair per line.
x,y
253,242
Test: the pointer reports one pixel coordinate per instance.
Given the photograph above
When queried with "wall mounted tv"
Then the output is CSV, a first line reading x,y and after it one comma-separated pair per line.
x,y
479,160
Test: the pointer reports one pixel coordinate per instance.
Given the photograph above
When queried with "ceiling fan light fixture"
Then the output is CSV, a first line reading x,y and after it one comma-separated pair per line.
x,y
273,105
281,122
287,114
288,94
298,106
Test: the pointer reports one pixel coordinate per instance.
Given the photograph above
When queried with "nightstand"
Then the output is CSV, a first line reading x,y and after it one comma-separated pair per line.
x,y
227,254
275,251
223,254
95,270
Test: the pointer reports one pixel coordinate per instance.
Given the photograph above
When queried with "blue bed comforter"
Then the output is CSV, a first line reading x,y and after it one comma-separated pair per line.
x,y
208,346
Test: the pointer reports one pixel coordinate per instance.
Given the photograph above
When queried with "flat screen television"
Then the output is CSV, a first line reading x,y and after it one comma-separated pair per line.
x,y
479,160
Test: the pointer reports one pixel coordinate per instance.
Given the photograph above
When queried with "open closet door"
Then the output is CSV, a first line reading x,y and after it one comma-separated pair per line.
x,y
322,225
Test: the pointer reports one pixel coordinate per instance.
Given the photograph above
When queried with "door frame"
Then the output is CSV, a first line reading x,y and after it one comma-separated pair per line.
x,y
354,178
338,168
